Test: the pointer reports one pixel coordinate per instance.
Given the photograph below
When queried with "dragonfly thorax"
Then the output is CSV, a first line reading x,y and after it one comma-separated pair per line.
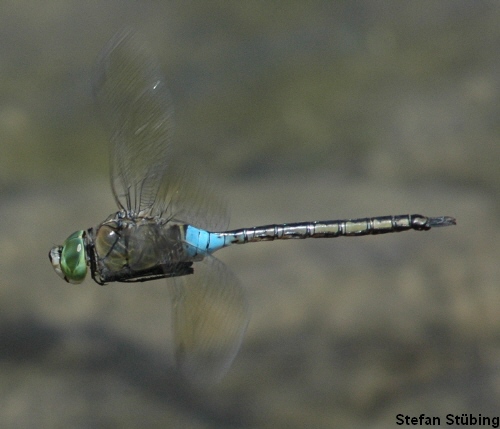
x,y
131,248
138,245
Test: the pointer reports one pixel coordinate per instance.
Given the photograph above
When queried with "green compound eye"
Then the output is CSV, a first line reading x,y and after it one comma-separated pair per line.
x,y
69,260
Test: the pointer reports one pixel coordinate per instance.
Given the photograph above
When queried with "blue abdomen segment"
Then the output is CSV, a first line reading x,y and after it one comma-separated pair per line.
x,y
202,242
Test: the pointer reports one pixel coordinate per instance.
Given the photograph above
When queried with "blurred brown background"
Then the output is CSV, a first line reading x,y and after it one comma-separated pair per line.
x,y
302,111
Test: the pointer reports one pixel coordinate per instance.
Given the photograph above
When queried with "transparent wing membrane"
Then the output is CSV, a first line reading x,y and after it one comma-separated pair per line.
x,y
135,103
209,318
185,197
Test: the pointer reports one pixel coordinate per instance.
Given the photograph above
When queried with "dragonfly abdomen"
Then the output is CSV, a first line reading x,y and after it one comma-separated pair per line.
x,y
212,241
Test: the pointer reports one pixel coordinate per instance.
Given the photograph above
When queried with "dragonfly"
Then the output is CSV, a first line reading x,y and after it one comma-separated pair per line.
x,y
169,222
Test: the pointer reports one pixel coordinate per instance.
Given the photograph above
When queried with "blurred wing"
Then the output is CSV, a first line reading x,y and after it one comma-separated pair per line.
x,y
135,103
146,175
209,319
185,197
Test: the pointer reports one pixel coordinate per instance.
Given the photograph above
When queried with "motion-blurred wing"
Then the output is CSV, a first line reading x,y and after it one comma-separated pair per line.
x,y
209,319
135,103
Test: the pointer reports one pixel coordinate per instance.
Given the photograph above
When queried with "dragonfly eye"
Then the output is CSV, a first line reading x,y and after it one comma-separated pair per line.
x,y
69,260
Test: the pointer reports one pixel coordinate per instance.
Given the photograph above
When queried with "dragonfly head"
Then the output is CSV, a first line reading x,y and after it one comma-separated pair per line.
x,y
69,260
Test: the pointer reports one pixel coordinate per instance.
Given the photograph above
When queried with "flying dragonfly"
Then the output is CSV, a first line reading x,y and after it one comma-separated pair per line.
x,y
169,224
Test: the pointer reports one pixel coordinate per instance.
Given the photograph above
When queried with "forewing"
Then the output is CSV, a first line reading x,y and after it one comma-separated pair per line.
x,y
209,318
135,104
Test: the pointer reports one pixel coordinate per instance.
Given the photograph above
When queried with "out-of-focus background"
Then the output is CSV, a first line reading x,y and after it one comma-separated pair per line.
x,y
301,111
